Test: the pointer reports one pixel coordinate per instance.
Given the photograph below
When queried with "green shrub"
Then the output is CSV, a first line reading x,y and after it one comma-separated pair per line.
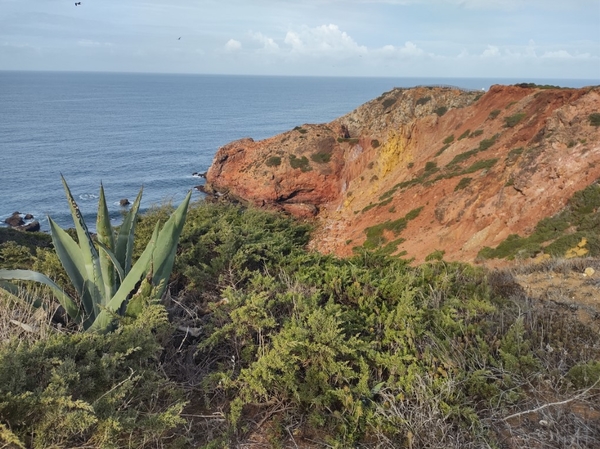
x,y
465,134
487,143
375,143
462,184
462,157
368,207
14,256
352,140
273,161
441,110
449,139
595,119
514,119
476,133
494,114
515,152
436,255
430,166
441,150
321,158
300,162
388,102
300,130
91,390
584,375
375,236
484,164
423,100
581,216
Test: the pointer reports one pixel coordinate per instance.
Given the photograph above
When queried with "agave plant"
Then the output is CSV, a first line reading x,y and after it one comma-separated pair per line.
x,y
106,282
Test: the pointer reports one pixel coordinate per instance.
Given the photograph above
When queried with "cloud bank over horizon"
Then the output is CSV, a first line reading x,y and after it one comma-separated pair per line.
x,y
393,38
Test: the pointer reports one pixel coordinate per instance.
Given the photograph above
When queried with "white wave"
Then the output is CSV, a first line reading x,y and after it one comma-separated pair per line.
x,y
88,196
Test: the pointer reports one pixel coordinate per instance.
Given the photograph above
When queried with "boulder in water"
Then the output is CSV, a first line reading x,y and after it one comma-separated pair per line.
x,y
15,220
34,226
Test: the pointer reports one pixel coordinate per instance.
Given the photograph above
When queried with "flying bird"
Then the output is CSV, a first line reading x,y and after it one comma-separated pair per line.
x,y
77,3
179,38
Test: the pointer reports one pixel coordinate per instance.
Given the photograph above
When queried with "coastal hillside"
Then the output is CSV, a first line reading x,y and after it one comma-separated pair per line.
x,y
425,169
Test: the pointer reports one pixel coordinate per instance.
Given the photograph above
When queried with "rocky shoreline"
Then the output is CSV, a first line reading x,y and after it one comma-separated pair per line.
x,y
18,221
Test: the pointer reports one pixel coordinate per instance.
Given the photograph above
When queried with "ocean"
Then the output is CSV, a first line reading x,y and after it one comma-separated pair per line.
x,y
154,130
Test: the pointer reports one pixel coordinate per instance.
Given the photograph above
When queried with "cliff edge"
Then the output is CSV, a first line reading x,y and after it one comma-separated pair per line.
x,y
424,169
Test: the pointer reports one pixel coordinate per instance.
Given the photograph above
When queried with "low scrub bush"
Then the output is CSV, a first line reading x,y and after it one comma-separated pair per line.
x,y
320,158
514,119
555,235
90,390
464,135
273,161
595,119
388,102
441,110
495,113
423,100
463,184
300,162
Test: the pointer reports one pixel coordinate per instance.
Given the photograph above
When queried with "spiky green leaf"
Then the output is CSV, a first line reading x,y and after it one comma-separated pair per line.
x,y
71,258
124,243
166,245
113,259
139,269
65,300
105,237
89,253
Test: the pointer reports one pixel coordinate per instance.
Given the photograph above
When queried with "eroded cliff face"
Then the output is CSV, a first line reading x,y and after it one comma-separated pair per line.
x,y
468,169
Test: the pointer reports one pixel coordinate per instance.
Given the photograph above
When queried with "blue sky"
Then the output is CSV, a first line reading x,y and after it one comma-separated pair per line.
x,y
399,38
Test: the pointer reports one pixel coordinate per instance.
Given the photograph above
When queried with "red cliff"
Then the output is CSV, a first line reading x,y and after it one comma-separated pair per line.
x,y
468,169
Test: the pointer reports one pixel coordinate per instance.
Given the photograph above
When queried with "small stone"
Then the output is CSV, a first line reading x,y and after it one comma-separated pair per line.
x,y
124,202
589,271
544,423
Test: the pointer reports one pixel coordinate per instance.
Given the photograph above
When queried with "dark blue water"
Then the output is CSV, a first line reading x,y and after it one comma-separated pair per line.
x,y
129,130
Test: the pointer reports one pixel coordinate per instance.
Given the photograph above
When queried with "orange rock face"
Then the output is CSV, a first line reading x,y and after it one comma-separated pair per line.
x,y
480,167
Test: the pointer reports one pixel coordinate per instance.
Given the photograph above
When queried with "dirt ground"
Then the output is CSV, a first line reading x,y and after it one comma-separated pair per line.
x,y
571,283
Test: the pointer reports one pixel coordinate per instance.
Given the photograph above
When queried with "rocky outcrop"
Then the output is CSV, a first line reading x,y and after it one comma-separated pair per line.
x,y
477,167
16,221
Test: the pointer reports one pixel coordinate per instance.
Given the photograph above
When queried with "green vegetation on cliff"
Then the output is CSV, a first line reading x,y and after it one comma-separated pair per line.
x,y
575,227
261,338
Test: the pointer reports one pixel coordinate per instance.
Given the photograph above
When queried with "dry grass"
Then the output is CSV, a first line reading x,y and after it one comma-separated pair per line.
x,y
20,320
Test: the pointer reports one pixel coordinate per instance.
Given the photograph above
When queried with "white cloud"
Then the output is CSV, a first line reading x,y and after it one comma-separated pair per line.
x,y
232,45
410,49
563,54
323,39
491,51
89,43
268,43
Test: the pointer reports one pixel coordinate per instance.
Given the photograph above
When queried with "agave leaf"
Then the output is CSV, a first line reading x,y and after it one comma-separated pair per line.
x,y
166,245
139,269
124,244
89,253
105,237
113,259
27,275
71,258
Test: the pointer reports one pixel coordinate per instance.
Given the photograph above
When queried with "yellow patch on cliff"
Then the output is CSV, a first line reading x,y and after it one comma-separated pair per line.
x,y
394,152
579,251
